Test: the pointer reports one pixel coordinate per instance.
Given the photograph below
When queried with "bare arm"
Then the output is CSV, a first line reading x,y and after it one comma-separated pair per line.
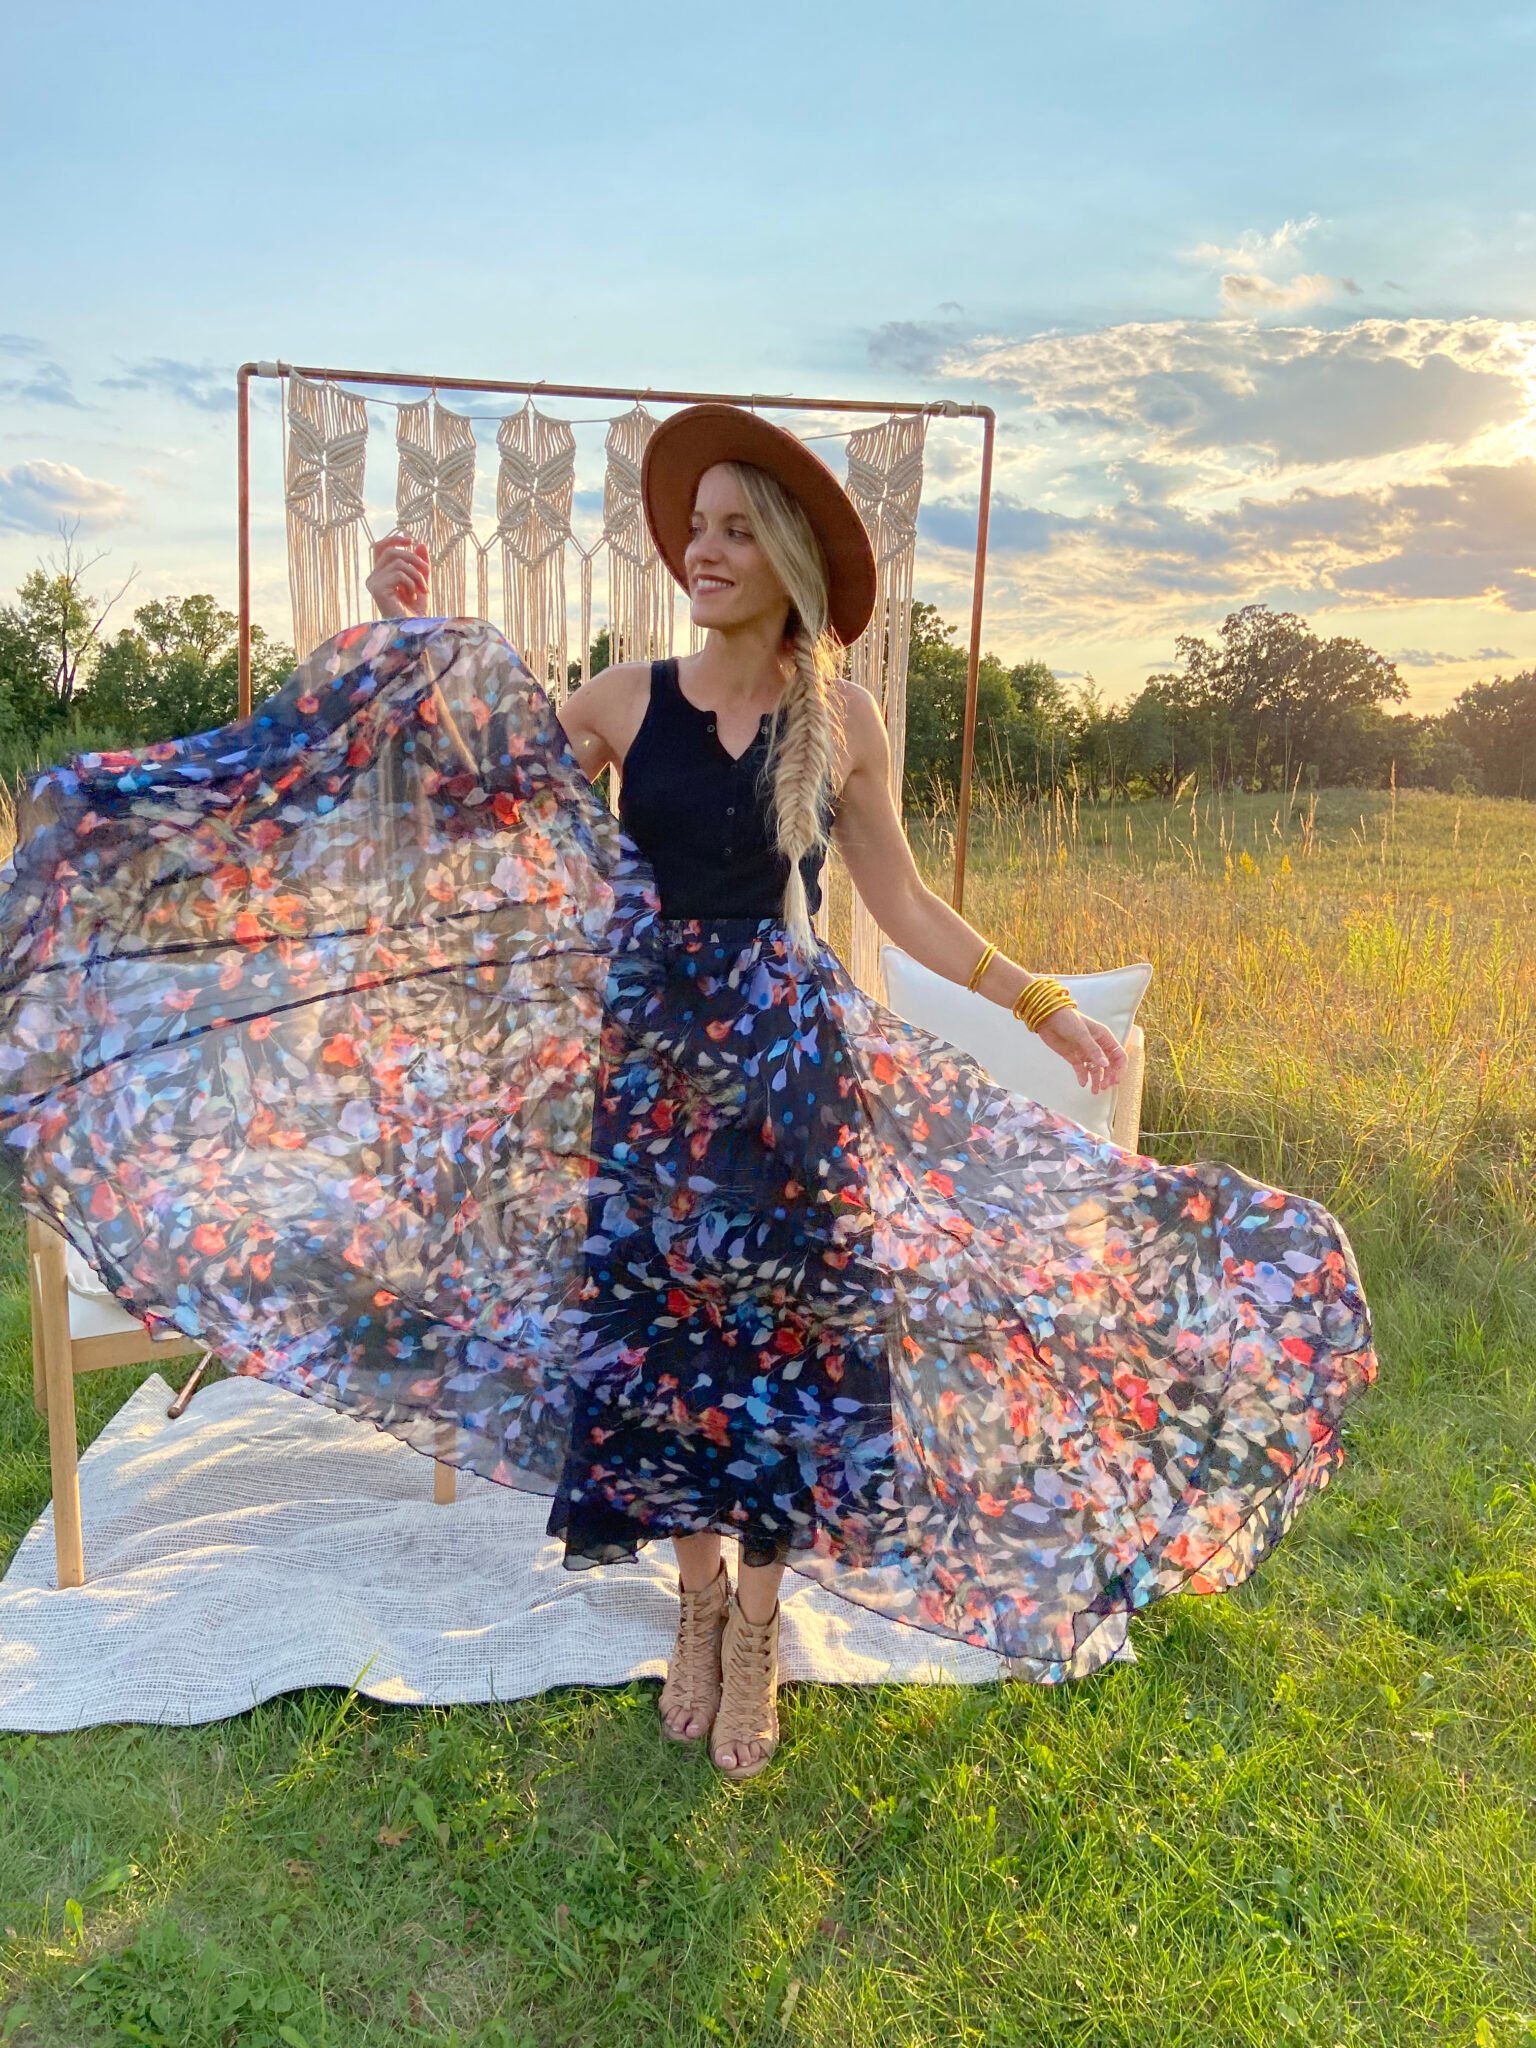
x,y
873,845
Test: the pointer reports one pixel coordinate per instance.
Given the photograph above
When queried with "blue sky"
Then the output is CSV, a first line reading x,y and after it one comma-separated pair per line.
x,y
1250,285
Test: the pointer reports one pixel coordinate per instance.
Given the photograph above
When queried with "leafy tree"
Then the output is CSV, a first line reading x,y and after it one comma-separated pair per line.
x,y
1496,723
1424,753
1274,699
176,671
49,642
27,704
1023,724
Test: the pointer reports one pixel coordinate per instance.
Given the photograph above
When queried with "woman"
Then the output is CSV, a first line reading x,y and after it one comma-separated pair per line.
x,y
360,1038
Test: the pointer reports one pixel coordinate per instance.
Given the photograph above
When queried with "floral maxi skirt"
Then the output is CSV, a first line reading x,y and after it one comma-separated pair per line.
x,y
350,1039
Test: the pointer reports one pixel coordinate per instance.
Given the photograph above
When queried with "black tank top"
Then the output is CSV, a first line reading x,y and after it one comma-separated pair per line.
x,y
700,817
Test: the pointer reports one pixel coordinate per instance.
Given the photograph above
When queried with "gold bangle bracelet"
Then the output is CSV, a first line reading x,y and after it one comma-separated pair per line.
x,y
1052,997
981,965
1041,998
1037,1017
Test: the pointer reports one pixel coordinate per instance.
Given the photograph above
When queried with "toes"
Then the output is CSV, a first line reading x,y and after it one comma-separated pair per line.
x,y
731,1758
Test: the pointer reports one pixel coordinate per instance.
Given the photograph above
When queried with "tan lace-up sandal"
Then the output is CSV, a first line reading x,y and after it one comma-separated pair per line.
x,y
749,1665
693,1677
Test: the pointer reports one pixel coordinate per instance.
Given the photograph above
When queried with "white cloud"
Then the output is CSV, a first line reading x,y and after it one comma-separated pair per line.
x,y
1281,397
1259,273
1254,252
35,496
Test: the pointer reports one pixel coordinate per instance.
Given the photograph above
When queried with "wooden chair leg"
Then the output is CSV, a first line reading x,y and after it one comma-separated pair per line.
x,y
444,1477
50,1310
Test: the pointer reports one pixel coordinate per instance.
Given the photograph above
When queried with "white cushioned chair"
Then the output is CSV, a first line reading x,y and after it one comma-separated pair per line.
x,y
1018,1058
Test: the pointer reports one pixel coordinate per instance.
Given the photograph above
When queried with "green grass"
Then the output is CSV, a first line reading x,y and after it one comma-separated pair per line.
x,y
1306,1817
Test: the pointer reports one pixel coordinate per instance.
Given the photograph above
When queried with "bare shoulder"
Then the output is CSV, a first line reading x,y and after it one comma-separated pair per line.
x,y
611,685
865,744
602,715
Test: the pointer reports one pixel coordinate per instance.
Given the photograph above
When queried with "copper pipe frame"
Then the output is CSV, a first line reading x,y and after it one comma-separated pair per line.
x,y
941,408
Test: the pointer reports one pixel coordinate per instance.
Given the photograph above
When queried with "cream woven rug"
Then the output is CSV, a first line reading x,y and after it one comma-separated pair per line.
x,y
261,1542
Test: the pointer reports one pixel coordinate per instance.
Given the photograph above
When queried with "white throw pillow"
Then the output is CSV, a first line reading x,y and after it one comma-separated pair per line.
x,y
1016,1057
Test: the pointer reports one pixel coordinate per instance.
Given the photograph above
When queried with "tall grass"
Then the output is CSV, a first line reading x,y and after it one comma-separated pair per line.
x,y
1344,986
22,760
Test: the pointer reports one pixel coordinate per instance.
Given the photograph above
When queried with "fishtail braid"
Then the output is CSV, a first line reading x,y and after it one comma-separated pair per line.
x,y
803,760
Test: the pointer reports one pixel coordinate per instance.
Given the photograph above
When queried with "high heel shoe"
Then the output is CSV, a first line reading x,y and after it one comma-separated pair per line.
x,y
749,1661
693,1680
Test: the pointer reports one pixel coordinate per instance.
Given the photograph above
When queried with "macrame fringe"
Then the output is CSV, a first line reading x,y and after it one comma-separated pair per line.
x,y
535,489
325,450
435,495
885,483
640,608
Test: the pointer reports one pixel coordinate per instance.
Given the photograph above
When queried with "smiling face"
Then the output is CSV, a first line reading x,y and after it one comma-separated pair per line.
x,y
730,579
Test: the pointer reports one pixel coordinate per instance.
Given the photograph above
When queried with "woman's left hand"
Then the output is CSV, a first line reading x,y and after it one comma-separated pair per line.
x,y
1090,1048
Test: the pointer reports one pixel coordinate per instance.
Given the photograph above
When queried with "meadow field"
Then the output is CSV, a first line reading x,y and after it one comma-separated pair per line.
x,y
1306,1817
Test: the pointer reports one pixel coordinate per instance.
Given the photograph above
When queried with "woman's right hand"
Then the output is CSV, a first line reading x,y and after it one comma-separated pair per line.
x,y
398,584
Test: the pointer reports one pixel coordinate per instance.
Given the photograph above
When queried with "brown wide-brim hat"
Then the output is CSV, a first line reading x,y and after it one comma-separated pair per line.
x,y
691,441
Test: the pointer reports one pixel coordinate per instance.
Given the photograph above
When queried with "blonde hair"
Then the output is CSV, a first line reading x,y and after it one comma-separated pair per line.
x,y
807,720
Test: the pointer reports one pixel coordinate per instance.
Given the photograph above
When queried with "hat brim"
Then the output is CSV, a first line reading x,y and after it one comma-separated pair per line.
x,y
692,441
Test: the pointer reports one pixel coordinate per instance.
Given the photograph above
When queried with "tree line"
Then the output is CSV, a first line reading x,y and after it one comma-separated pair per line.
x,y
1266,705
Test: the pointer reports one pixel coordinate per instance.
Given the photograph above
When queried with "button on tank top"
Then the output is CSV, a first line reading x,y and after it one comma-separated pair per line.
x,y
700,815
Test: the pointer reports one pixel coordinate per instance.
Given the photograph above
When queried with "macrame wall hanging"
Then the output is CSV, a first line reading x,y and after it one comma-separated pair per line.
x,y
532,540
325,447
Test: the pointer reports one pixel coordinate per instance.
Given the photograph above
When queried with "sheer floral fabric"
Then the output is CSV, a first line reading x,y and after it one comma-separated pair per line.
x,y
351,1039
